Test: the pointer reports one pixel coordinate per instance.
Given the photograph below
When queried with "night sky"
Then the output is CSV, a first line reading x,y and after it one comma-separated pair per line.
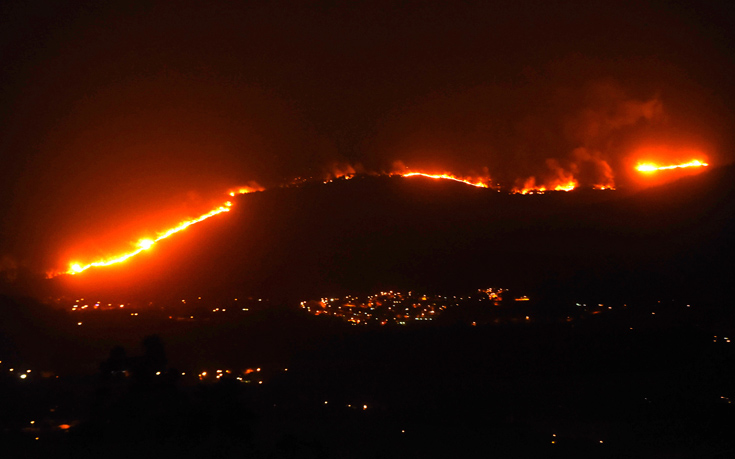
x,y
120,117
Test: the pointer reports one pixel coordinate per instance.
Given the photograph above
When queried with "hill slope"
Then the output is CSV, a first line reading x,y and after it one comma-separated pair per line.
x,y
373,233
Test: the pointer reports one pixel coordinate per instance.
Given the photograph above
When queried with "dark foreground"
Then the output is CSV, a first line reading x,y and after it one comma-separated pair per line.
x,y
645,380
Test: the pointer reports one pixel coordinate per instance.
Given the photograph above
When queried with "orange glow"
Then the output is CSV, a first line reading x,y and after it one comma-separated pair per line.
x,y
650,167
530,187
252,188
524,190
147,243
562,184
569,186
478,184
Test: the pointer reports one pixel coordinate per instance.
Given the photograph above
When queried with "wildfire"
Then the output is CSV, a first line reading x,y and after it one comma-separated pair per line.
x,y
251,188
650,167
530,187
478,184
569,186
147,243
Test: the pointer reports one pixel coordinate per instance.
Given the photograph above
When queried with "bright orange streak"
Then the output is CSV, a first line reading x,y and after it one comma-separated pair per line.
x,y
649,167
444,176
186,224
146,243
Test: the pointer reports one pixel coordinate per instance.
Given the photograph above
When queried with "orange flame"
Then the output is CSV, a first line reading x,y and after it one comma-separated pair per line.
x,y
539,190
568,186
467,181
650,167
530,187
147,243
251,188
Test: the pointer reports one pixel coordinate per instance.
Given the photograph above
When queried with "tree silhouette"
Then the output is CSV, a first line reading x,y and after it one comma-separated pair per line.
x,y
116,366
152,363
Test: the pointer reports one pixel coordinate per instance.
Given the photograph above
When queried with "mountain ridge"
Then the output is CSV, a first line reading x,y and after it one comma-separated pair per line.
x,y
388,232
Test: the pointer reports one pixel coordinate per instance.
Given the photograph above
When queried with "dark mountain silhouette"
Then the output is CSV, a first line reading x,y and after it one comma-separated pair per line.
x,y
378,233
624,377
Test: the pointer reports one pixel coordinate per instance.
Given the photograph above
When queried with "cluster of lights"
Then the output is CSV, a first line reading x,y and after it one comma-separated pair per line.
x,y
96,305
25,374
80,305
389,307
244,376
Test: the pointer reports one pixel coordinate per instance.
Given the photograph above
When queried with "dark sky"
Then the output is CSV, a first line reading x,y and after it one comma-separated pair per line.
x,y
117,115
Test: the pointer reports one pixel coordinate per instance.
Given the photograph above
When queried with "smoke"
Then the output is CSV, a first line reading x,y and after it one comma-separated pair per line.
x,y
552,129
598,129
560,176
589,128
342,169
590,167
607,110
398,166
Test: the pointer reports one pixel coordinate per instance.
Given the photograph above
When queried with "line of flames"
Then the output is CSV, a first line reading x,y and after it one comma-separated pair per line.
x,y
650,167
568,186
478,184
146,243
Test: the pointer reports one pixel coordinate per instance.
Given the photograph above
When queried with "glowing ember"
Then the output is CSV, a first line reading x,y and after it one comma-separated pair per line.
x,y
649,167
444,176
